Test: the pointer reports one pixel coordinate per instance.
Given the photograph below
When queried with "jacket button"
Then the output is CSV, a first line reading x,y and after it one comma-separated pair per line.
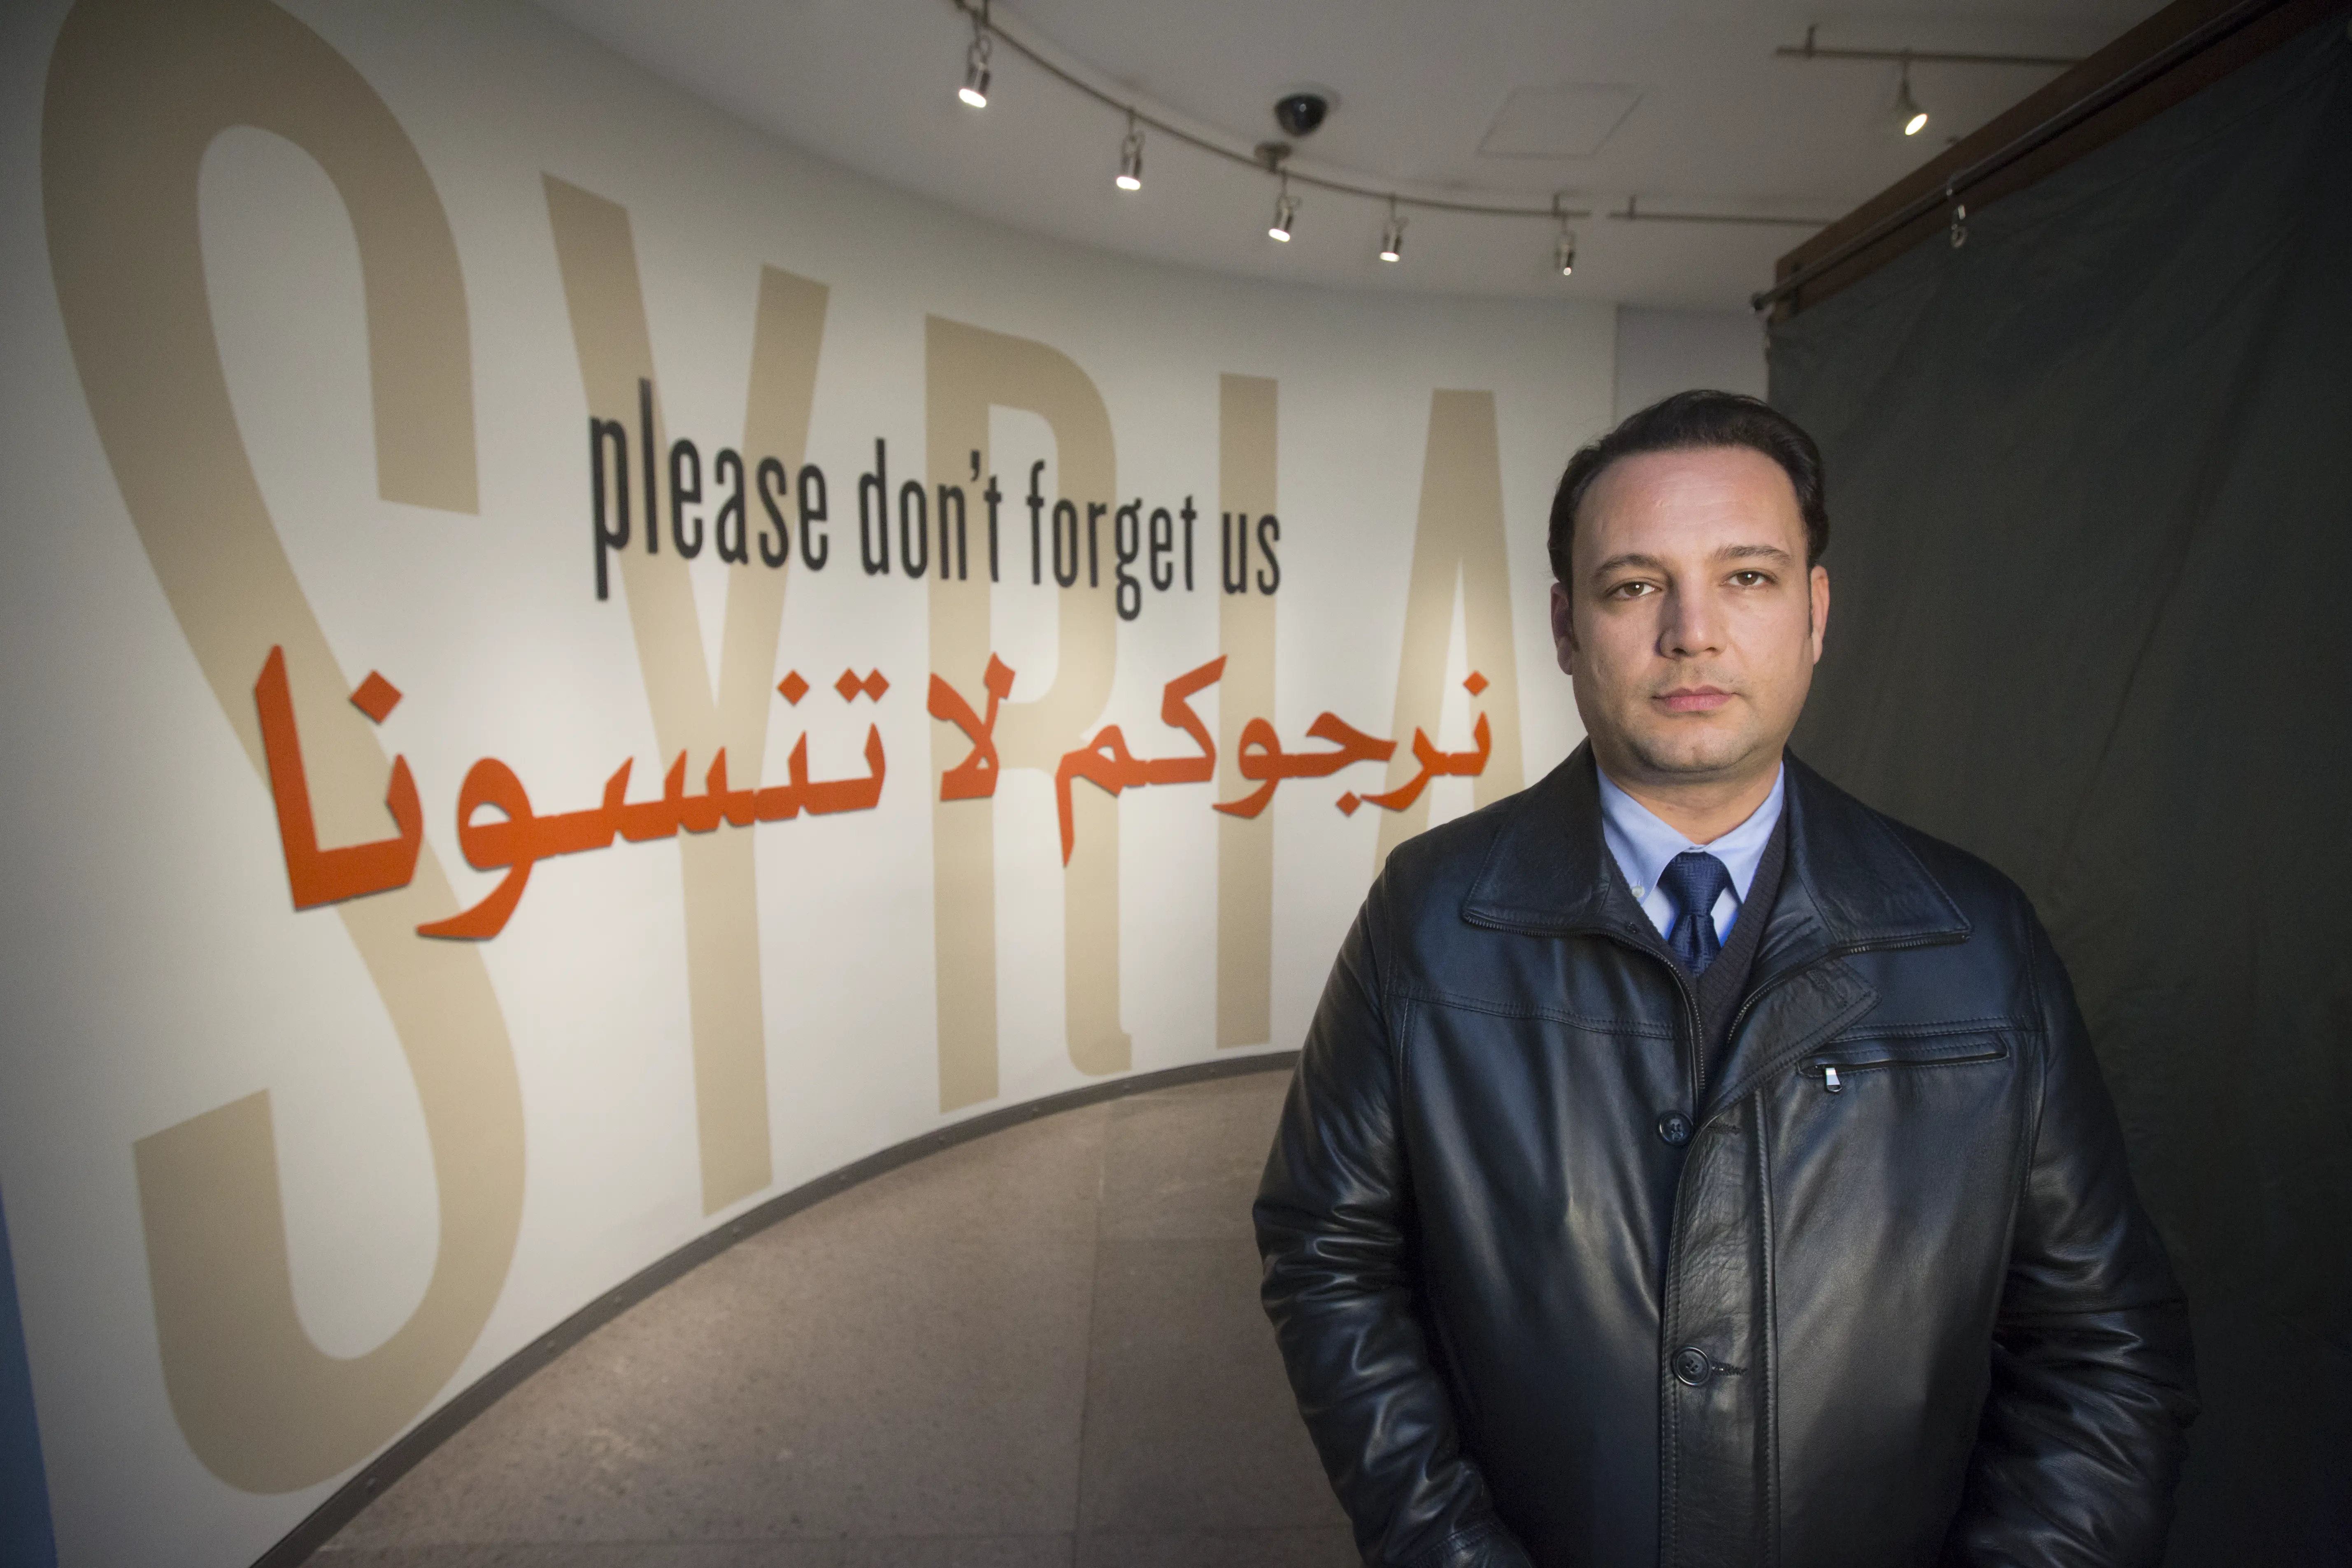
x,y
1674,1128
1691,1366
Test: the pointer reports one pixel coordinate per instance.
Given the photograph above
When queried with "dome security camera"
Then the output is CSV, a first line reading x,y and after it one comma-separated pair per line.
x,y
1299,113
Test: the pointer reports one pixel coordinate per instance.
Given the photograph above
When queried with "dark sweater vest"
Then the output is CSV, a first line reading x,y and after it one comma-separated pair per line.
x,y
1723,985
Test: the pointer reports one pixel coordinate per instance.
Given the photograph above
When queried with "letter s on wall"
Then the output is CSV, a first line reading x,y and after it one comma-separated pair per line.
x,y
136,92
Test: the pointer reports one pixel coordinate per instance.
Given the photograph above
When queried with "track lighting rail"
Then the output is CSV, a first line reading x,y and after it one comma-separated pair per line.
x,y
977,12
1633,213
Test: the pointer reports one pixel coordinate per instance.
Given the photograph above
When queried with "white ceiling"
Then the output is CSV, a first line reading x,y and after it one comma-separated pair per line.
x,y
1717,123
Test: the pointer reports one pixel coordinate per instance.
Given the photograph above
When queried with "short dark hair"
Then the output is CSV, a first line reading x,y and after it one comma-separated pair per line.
x,y
1694,421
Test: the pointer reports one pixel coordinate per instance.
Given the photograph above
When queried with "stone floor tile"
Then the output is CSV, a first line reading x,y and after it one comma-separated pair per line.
x,y
1191,1424
1183,1164
907,1359
900,1551
1329,1546
963,1363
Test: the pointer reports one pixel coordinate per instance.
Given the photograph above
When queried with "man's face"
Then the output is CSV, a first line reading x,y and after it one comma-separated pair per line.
x,y
1693,623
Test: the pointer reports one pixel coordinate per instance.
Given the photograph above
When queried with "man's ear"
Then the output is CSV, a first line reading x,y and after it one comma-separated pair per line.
x,y
1564,627
1818,610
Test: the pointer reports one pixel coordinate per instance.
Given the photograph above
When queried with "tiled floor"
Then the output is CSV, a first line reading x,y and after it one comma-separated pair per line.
x,y
1042,1347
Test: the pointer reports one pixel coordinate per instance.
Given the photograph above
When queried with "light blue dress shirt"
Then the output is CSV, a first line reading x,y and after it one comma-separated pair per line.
x,y
1643,843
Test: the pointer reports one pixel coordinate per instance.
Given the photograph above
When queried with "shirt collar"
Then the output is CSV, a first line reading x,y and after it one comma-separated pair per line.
x,y
1643,842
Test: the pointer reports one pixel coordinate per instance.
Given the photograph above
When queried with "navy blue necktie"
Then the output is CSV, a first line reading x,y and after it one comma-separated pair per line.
x,y
1695,880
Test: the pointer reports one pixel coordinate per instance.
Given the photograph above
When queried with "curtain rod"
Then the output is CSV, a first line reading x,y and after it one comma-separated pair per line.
x,y
1809,50
2054,126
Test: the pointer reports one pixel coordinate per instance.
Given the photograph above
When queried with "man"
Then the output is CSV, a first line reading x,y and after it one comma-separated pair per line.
x,y
1688,1164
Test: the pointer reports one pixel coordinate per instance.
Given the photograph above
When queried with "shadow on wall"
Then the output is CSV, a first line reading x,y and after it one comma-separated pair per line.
x,y
25,1534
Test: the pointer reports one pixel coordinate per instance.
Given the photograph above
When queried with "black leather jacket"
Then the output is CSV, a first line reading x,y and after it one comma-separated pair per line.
x,y
1890,1300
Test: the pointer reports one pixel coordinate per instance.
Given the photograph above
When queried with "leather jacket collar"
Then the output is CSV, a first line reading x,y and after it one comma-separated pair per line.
x,y
1850,884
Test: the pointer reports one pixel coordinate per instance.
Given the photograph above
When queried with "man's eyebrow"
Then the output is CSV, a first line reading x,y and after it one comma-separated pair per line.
x,y
1728,553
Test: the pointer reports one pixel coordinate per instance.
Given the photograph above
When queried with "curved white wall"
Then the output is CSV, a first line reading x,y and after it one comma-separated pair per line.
x,y
280,1180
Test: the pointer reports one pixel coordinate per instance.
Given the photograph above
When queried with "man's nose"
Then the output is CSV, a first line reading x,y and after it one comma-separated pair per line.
x,y
1692,624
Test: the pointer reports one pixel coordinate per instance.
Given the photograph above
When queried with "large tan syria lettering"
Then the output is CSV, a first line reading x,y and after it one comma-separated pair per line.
x,y
1458,539
135,94
967,370
691,714
1245,490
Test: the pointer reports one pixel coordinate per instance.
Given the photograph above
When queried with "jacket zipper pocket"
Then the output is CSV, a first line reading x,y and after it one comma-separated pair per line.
x,y
1831,1070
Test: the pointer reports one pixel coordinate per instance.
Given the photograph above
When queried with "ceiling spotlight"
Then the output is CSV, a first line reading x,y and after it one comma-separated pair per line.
x,y
975,91
1130,157
1393,237
1286,208
1909,117
1563,253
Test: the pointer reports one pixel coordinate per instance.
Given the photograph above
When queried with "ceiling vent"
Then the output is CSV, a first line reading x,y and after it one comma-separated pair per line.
x,y
1562,121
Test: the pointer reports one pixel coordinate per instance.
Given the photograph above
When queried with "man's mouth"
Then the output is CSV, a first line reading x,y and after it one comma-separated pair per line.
x,y
1693,699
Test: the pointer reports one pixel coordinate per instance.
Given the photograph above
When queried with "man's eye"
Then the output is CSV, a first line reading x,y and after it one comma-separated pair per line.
x,y
1749,579
1630,590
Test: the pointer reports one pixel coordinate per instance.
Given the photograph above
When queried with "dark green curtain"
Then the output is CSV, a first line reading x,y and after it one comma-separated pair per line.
x,y
2090,478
